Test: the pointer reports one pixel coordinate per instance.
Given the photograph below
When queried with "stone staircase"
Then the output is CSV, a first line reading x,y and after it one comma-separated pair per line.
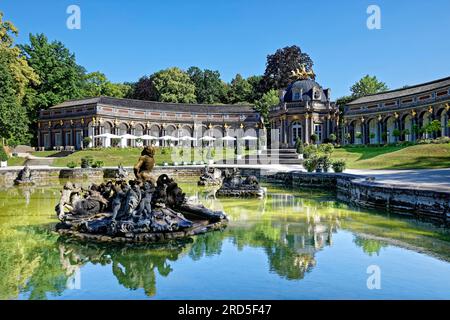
x,y
271,156
281,156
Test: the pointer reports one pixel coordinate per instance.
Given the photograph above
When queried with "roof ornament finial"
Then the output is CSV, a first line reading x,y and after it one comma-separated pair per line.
x,y
302,74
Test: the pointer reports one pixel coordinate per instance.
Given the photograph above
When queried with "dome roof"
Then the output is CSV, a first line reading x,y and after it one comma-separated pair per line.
x,y
306,88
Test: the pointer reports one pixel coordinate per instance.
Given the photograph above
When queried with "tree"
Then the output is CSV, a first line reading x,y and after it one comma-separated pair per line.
x,y
96,84
13,116
240,90
169,85
280,65
269,99
143,90
209,88
15,76
257,88
61,77
367,85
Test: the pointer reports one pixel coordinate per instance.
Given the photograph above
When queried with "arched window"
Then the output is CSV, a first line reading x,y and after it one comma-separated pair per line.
x,y
296,131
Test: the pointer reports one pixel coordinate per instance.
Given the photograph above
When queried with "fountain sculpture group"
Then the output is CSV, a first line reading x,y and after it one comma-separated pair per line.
x,y
231,183
141,210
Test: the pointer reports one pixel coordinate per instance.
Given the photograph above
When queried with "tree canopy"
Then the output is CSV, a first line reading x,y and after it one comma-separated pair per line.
x,y
172,85
209,88
96,84
280,65
367,85
15,77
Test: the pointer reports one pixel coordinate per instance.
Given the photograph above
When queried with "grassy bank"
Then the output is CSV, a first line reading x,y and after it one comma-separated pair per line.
x,y
425,156
128,156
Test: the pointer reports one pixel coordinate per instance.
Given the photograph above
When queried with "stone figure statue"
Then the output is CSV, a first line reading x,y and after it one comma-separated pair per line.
x,y
145,206
145,164
210,177
24,176
121,174
235,185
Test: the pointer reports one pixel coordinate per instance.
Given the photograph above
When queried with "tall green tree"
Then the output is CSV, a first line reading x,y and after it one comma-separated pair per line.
x,y
61,77
268,100
172,85
96,84
367,85
15,76
209,88
280,65
257,88
240,90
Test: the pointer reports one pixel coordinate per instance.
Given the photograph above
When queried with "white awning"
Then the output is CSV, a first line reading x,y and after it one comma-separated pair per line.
x,y
147,137
168,138
228,138
107,135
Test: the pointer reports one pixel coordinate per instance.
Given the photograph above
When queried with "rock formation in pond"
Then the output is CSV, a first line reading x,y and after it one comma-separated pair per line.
x,y
210,177
24,177
235,185
141,210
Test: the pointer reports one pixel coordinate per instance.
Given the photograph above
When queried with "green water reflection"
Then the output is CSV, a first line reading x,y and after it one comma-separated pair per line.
x,y
289,227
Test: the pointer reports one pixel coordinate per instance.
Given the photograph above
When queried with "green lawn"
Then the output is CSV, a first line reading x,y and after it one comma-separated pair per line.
x,y
16,161
425,156
128,156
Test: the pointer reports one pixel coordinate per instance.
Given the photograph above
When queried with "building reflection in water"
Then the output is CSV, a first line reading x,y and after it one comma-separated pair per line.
x,y
290,230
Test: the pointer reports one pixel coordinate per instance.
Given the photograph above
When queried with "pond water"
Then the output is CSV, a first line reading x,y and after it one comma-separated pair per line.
x,y
291,245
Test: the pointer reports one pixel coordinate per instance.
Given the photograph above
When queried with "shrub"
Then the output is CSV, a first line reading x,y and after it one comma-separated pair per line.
x,y
3,155
86,141
332,137
309,151
98,164
324,162
71,164
358,135
86,162
311,164
339,165
314,138
326,148
372,135
396,133
299,146
115,142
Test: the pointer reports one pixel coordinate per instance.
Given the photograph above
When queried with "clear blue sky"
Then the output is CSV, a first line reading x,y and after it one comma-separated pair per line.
x,y
128,39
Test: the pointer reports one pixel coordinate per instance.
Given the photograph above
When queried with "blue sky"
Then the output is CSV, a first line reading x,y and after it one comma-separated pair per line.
x,y
128,39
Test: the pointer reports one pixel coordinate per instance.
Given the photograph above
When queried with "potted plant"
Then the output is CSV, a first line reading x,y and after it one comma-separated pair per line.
x,y
87,141
310,164
372,136
396,133
115,142
407,133
332,137
358,136
339,165
3,157
300,147
314,138
87,162
325,162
